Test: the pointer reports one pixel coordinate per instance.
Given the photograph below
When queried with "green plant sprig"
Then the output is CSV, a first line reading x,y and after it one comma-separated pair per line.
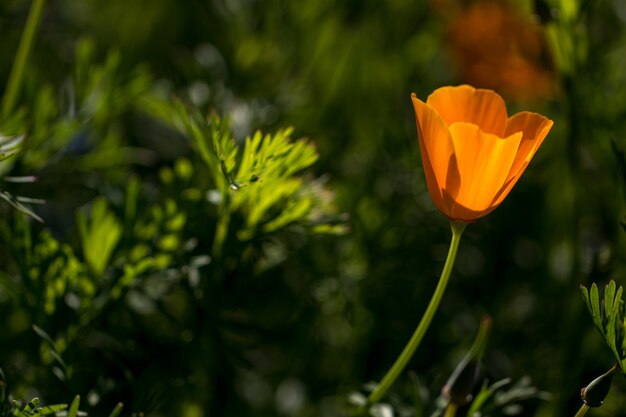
x,y
608,317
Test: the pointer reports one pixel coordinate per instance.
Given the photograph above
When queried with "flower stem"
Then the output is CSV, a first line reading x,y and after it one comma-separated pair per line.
x,y
17,71
409,349
450,410
221,232
583,410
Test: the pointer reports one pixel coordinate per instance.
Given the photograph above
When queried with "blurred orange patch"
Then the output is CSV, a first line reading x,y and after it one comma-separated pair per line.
x,y
496,47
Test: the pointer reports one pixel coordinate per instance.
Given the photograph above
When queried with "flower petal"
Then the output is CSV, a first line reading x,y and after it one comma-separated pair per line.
x,y
436,149
462,213
535,128
484,161
484,108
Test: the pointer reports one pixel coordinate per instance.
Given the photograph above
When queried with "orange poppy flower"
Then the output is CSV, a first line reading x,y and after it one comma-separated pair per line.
x,y
496,46
472,153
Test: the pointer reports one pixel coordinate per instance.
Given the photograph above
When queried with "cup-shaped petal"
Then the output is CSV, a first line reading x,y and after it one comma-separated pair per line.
x,y
535,128
436,149
484,161
472,154
464,103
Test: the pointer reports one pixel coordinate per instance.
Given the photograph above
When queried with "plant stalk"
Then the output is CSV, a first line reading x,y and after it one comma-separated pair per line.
x,y
23,50
409,349
450,410
583,410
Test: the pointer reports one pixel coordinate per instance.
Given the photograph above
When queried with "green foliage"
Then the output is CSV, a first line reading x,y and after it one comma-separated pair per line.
x,y
182,264
73,411
99,235
105,91
97,93
135,253
266,169
49,269
608,317
32,409
260,181
468,388
117,410
500,398
8,145
17,202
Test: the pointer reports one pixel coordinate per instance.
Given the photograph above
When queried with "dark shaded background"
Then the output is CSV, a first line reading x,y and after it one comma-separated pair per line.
x,y
335,313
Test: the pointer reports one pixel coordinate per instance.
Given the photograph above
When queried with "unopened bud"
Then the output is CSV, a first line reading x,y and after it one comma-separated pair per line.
x,y
594,394
460,386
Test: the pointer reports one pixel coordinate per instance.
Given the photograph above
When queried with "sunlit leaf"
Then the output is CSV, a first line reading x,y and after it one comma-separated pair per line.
x,y
608,320
73,410
99,235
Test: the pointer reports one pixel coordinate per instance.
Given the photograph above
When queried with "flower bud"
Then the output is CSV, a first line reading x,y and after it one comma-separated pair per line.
x,y
460,386
594,394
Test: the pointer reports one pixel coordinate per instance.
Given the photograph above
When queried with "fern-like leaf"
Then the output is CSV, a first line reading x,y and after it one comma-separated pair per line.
x,y
609,317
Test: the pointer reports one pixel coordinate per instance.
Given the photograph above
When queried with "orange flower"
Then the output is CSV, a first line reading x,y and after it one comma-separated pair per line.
x,y
495,46
472,153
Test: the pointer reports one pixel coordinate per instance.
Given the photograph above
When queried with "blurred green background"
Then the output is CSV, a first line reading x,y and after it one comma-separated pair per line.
x,y
290,322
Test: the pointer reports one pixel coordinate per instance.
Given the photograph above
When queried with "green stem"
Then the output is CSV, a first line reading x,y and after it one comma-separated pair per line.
x,y
17,71
450,410
583,410
221,232
409,349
